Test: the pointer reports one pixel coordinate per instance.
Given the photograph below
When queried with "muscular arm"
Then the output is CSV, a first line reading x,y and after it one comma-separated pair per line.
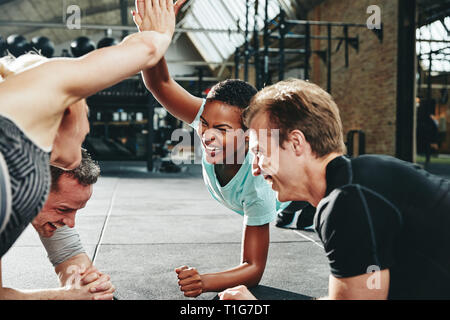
x,y
58,83
66,253
372,286
66,269
255,247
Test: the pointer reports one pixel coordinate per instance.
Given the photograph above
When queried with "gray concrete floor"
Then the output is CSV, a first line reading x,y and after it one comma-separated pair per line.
x,y
153,223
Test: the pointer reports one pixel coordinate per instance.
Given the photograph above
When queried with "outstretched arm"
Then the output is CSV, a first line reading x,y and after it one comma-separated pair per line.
x,y
179,102
77,291
58,83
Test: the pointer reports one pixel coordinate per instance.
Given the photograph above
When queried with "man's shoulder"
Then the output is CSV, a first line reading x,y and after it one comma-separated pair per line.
x,y
349,206
398,181
384,168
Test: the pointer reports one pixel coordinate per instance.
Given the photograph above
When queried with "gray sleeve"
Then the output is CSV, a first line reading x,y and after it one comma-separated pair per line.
x,y
64,244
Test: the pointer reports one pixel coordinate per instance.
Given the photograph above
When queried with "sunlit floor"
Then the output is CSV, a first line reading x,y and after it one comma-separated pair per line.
x,y
153,223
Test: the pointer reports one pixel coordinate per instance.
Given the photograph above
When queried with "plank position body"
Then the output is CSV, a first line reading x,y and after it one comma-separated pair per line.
x,y
218,122
383,222
79,279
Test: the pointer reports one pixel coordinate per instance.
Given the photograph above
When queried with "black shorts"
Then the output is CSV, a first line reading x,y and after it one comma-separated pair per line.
x,y
29,181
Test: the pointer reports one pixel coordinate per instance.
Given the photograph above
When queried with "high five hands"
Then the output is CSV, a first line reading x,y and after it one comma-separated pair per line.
x,y
156,15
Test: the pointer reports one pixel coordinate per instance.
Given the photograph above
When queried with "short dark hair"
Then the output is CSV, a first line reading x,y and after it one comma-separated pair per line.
x,y
86,173
234,92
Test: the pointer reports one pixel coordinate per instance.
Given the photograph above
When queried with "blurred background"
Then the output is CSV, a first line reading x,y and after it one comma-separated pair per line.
x,y
386,66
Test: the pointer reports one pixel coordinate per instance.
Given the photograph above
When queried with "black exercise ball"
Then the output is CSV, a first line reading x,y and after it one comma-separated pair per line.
x,y
82,46
44,46
3,46
107,42
66,54
17,45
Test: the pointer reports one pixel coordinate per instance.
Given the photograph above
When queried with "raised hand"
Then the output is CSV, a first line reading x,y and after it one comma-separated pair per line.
x,y
143,19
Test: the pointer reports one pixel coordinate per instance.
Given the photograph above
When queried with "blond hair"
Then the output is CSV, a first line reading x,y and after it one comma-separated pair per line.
x,y
10,65
297,104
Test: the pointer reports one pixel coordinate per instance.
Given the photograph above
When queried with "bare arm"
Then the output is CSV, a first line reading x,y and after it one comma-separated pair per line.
x,y
371,286
65,269
65,80
179,102
173,97
82,292
255,248
58,83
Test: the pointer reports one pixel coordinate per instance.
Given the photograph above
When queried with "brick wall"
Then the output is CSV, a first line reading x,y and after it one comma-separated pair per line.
x,y
366,91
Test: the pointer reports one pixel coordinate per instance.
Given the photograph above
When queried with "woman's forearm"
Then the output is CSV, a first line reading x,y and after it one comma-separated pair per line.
x,y
178,101
246,274
156,76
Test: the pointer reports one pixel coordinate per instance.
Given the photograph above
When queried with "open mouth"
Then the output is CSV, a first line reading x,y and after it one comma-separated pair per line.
x,y
54,226
212,150
268,178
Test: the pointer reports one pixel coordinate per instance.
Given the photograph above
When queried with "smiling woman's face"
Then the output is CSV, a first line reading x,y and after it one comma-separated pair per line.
x,y
221,133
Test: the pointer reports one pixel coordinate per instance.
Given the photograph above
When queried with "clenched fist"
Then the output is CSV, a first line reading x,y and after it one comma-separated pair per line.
x,y
190,281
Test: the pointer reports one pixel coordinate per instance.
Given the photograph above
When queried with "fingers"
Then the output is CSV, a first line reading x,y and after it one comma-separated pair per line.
x,y
178,5
190,272
108,296
89,278
137,20
191,287
193,294
189,280
140,7
100,281
163,4
237,293
105,286
155,5
179,269
229,294
191,284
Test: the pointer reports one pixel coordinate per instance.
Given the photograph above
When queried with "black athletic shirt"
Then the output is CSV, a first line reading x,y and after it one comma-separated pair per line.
x,y
381,212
